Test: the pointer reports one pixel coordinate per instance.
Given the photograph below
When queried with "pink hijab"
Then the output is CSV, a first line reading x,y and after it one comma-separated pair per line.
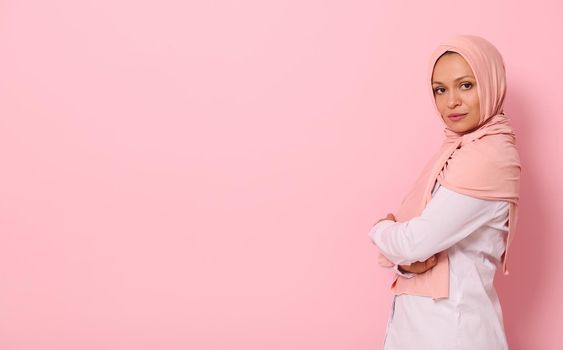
x,y
483,163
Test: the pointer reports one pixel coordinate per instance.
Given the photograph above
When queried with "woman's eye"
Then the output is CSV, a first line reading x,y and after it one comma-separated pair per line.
x,y
466,85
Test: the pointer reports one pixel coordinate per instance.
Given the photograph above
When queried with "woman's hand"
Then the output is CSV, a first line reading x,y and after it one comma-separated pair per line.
x,y
389,216
420,266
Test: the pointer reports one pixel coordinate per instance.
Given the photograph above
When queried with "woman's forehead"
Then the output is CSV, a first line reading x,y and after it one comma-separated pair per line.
x,y
451,68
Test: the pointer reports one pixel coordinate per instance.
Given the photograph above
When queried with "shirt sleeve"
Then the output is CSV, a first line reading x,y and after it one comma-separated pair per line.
x,y
448,218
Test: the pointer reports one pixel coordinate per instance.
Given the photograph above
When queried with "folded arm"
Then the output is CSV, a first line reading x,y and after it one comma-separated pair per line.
x,y
448,218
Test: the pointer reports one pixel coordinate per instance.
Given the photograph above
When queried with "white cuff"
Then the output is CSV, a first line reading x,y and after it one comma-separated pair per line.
x,y
404,274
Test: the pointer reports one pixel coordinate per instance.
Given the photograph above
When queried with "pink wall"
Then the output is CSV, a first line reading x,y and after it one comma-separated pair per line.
x,y
203,176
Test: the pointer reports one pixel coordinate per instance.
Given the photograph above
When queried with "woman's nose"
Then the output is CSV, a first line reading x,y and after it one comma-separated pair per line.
x,y
453,100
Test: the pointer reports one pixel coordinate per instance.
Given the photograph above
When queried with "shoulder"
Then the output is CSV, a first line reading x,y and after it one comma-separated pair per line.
x,y
448,200
456,200
489,149
483,162
459,196
452,210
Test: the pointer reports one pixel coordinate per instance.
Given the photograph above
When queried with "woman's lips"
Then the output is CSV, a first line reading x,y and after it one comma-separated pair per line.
x,y
457,117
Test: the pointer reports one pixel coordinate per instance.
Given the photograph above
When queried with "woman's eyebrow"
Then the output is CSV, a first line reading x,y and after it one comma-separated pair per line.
x,y
465,76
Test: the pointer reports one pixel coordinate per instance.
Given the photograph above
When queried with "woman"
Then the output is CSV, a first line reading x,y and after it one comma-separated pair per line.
x,y
455,226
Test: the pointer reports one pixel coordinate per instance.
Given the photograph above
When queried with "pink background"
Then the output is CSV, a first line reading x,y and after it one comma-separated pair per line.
x,y
203,175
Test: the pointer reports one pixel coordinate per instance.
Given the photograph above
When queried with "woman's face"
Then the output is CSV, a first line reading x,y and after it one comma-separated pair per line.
x,y
455,91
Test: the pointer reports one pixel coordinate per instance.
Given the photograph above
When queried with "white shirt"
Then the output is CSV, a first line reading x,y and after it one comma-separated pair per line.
x,y
473,231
